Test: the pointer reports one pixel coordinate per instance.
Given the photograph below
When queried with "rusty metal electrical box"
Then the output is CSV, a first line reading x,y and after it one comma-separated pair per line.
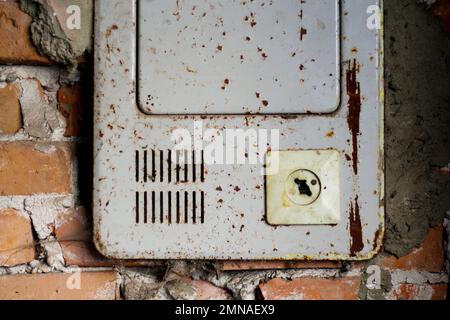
x,y
238,129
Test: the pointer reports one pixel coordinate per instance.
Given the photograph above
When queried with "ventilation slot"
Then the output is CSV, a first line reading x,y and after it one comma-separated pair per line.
x,y
170,207
165,172
167,166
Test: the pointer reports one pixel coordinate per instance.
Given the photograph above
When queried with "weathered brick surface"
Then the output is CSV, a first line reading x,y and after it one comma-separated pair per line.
x,y
74,225
16,44
29,168
84,254
73,229
428,257
442,9
266,265
60,286
11,116
311,289
420,292
16,239
70,103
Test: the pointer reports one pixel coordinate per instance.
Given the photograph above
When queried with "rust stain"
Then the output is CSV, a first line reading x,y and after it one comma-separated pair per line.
x,y
303,33
356,241
376,238
226,82
354,109
110,30
189,70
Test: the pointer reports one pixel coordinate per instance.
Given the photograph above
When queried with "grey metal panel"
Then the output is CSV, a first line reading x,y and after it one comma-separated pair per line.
x,y
234,223
238,57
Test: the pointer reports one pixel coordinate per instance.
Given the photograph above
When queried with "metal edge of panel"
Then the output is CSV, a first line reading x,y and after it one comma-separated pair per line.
x,y
380,173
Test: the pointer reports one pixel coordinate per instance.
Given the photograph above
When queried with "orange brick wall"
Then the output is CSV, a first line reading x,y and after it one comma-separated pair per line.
x,y
46,249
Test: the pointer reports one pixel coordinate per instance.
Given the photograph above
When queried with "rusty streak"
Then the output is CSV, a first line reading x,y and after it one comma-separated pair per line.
x,y
303,33
354,109
376,238
356,242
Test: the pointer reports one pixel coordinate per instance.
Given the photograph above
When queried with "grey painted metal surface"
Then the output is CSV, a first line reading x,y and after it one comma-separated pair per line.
x,y
216,56
224,205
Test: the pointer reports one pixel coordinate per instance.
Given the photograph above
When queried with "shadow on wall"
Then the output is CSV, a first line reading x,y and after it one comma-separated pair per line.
x,y
84,150
417,53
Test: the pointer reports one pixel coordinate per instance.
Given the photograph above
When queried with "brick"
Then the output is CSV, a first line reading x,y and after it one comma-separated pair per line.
x,y
73,225
428,257
60,286
270,265
84,254
16,239
406,291
16,45
28,168
70,104
442,9
73,230
311,289
11,119
440,291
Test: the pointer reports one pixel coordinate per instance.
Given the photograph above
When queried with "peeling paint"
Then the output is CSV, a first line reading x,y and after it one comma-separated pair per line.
x,y
356,243
354,109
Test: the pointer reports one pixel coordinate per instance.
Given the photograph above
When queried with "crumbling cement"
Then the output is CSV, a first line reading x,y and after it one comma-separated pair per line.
x,y
417,118
38,100
43,212
41,118
50,32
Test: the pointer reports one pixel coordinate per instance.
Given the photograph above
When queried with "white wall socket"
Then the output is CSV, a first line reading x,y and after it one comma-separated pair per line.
x,y
305,190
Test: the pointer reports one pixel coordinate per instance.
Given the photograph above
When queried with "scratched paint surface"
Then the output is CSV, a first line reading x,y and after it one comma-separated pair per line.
x,y
228,220
238,57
